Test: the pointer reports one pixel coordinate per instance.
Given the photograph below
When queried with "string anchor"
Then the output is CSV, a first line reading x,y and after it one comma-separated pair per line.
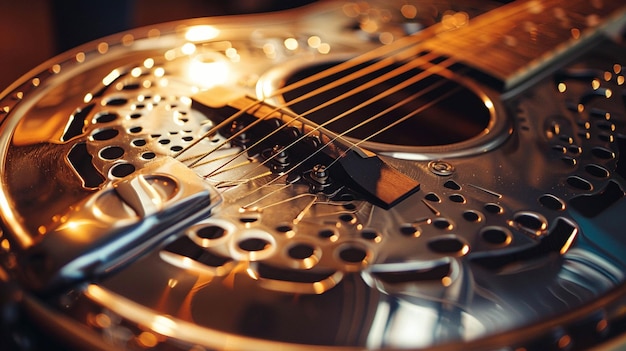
x,y
278,159
240,139
349,166
318,178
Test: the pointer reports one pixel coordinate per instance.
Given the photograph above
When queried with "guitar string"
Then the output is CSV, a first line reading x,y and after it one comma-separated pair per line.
x,y
319,127
334,139
401,44
348,78
299,117
326,73
316,77
405,84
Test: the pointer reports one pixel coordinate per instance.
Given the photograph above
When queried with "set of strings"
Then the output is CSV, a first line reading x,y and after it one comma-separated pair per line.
x,y
404,51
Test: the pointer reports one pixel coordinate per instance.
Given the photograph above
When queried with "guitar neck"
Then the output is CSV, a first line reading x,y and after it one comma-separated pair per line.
x,y
516,41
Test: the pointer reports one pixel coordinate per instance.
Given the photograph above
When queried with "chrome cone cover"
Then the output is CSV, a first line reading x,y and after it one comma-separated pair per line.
x,y
119,240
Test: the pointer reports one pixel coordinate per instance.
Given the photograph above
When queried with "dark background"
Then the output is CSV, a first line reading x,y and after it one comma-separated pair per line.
x,y
31,31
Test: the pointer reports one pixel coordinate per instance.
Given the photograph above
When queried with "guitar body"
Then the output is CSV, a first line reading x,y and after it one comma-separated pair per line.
x,y
325,177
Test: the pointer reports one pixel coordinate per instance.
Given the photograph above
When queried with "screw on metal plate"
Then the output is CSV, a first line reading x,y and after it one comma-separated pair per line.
x,y
441,168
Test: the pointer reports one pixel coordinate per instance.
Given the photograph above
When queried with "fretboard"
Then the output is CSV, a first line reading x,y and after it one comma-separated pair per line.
x,y
514,42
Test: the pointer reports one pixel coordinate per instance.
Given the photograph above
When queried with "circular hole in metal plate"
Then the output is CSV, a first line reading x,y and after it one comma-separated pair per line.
x,y
301,251
552,202
432,197
442,223
348,218
409,230
370,234
105,134
139,142
148,155
105,117
533,222
471,216
116,101
254,244
458,198
496,235
284,228
451,184
327,234
450,245
111,152
493,208
579,183
210,232
603,153
121,170
352,254
597,171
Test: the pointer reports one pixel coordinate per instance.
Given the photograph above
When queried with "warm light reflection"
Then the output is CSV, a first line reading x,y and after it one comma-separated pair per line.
x,y
188,48
5,244
170,55
172,283
163,325
159,72
232,54
595,84
103,48
488,104
148,63
269,50
408,11
102,320
446,281
80,57
291,44
314,41
208,70
564,341
324,48
147,339
135,72
201,33
385,38
569,242
154,33
562,87
111,77
452,20
128,40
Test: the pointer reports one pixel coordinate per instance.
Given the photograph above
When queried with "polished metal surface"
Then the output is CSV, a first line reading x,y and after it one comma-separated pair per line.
x,y
144,206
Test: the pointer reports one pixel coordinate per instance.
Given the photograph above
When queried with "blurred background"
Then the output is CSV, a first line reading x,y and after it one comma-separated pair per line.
x,y
31,31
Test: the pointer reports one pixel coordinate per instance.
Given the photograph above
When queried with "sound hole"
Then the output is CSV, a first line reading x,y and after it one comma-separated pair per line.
x,y
453,113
